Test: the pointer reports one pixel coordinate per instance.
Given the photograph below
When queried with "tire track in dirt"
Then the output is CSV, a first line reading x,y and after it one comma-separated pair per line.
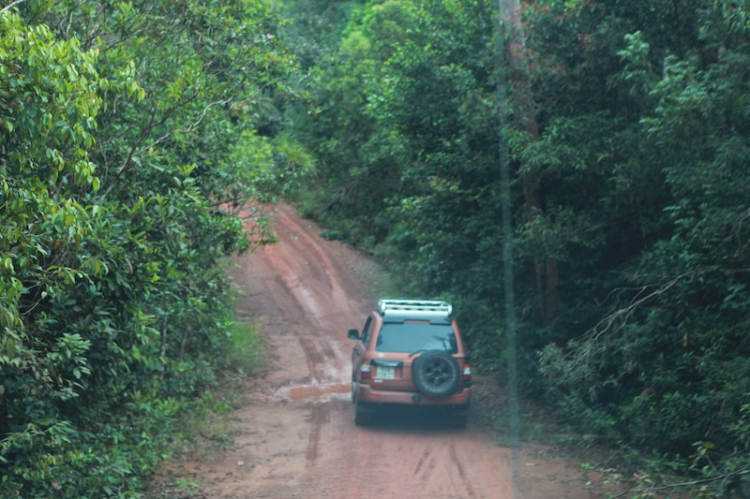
x,y
314,288
329,272
319,416
458,463
424,457
282,295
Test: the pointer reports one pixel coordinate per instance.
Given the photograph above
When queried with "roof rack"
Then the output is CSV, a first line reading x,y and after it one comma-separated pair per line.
x,y
421,308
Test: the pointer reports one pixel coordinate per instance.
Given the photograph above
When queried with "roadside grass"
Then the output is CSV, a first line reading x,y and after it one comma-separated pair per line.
x,y
205,426
609,468
208,427
246,356
539,430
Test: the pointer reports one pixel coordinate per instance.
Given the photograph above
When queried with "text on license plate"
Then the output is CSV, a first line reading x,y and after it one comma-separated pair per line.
x,y
385,372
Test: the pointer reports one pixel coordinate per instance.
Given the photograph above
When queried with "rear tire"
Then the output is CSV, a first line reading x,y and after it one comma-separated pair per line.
x,y
436,373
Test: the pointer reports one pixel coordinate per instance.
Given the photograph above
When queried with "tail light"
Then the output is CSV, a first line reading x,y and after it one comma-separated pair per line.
x,y
466,374
365,371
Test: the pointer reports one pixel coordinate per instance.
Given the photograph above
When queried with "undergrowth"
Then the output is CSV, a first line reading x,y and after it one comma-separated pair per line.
x,y
207,426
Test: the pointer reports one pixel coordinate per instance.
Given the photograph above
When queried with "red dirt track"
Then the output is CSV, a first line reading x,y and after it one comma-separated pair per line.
x,y
295,434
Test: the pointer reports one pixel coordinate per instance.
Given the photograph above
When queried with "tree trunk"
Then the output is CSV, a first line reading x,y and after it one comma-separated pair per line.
x,y
545,270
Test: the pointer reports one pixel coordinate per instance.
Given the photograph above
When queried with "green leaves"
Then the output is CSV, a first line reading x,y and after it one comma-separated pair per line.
x,y
56,101
129,149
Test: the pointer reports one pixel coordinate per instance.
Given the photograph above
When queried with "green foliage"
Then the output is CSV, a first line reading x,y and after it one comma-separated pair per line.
x,y
131,138
667,363
245,353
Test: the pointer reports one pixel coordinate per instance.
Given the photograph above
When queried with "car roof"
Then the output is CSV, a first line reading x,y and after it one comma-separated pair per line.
x,y
395,310
400,319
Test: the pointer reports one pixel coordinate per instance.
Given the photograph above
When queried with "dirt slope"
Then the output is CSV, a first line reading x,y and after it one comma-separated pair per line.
x,y
296,436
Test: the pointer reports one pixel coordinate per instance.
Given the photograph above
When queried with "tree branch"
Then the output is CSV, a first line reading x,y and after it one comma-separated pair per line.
x,y
11,5
623,314
684,484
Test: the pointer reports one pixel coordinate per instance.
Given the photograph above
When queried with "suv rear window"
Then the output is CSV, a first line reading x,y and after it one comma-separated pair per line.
x,y
410,337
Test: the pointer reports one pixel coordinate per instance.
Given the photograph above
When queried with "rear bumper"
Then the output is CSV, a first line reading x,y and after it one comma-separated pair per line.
x,y
461,398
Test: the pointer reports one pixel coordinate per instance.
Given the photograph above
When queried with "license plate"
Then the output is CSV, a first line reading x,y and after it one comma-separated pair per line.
x,y
385,372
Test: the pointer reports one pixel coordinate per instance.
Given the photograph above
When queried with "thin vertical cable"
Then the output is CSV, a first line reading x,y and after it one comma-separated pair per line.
x,y
507,231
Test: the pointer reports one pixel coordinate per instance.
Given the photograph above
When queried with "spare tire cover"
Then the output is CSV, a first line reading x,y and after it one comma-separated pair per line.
x,y
435,373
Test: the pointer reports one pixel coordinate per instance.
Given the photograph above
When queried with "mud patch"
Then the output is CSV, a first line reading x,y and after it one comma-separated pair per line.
x,y
317,393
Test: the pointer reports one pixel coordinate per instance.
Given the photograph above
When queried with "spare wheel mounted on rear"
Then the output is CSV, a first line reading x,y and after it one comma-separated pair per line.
x,y
436,373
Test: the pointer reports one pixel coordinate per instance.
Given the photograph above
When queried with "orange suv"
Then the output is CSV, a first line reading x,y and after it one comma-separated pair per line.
x,y
410,352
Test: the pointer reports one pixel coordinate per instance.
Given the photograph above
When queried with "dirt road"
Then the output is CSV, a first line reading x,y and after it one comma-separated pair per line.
x,y
296,436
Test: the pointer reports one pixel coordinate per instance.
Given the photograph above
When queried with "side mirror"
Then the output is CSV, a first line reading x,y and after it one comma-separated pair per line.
x,y
353,334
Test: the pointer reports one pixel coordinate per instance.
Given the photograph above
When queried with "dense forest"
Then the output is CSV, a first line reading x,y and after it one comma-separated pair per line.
x,y
141,139
625,125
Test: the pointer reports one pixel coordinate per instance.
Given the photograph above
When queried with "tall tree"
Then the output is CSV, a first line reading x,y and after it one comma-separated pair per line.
x,y
530,170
